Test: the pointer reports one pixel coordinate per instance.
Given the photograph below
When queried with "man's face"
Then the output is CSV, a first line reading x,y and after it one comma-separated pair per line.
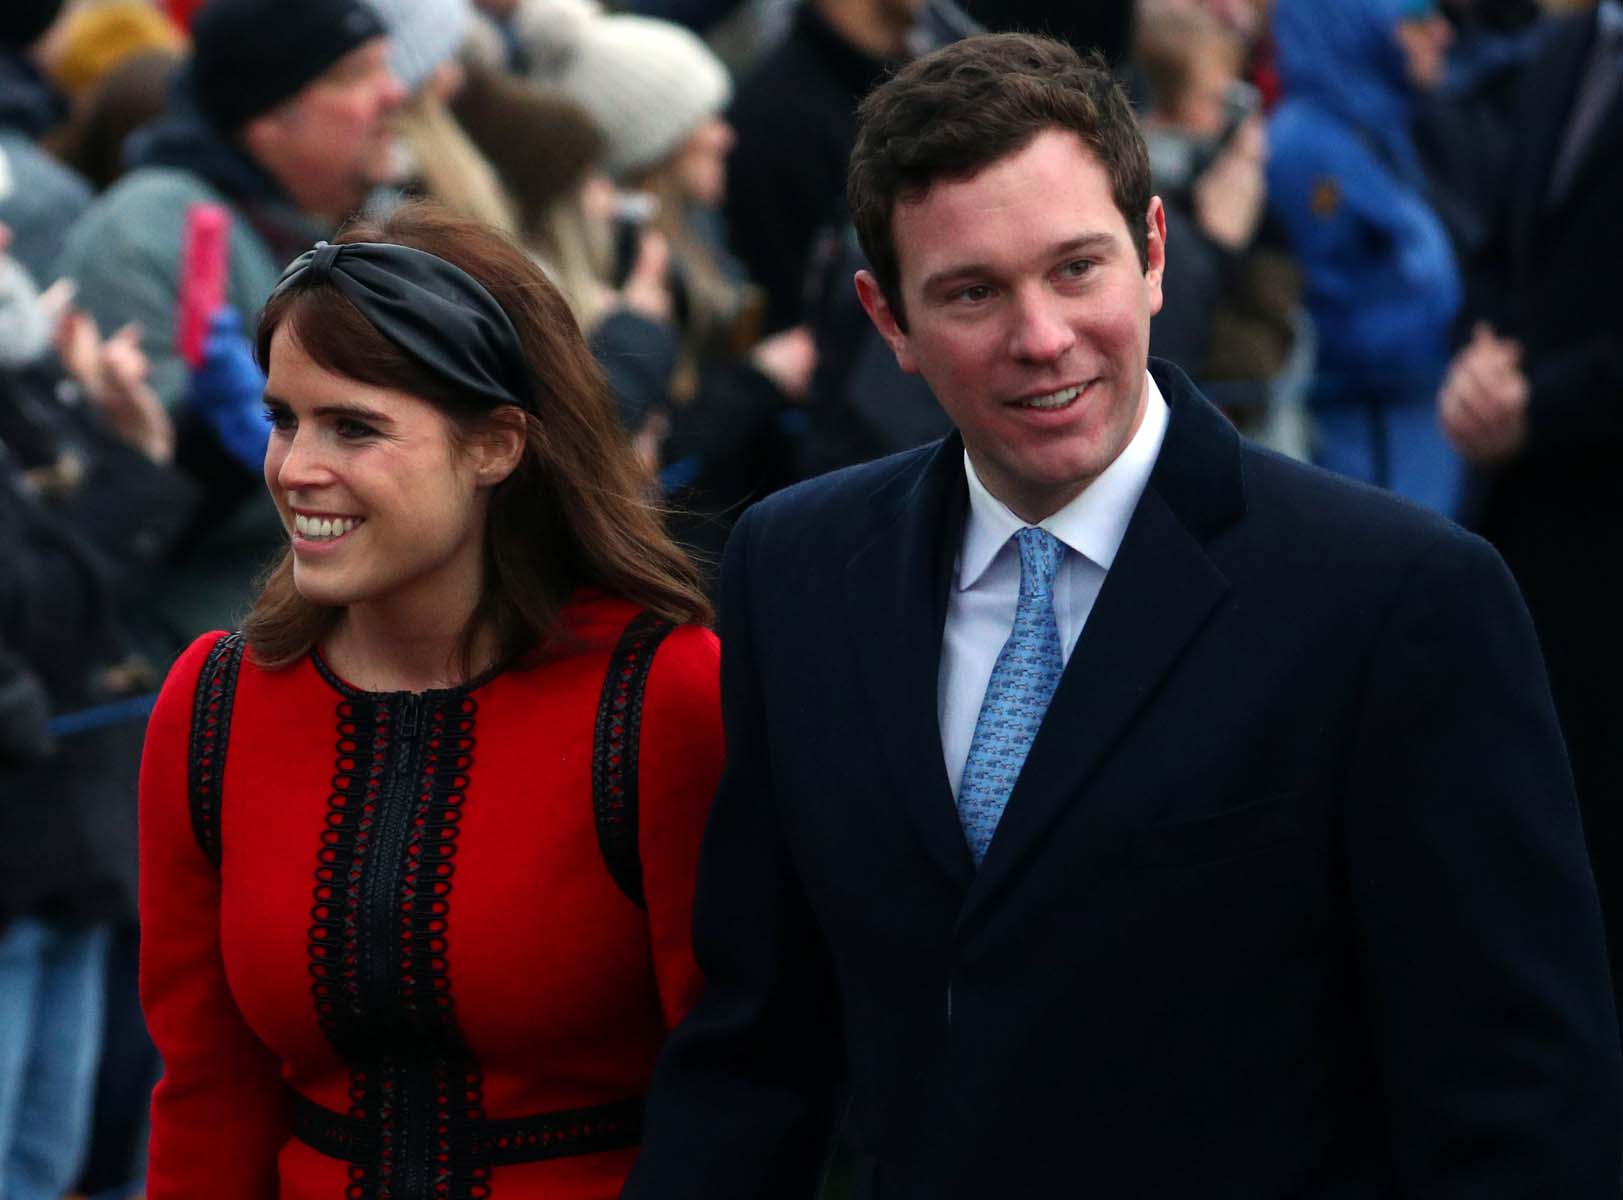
x,y
332,143
1029,316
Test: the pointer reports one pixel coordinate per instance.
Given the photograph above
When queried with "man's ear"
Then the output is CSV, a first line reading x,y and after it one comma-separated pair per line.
x,y
264,136
499,447
1155,251
884,320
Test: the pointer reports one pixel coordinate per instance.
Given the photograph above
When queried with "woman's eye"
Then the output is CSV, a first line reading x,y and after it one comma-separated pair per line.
x,y
353,430
279,418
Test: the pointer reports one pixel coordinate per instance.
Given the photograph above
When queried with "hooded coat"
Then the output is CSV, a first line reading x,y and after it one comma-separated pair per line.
x,y
1380,279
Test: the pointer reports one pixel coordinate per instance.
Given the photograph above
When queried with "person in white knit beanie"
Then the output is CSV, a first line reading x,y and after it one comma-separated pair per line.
x,y
648,84
656,92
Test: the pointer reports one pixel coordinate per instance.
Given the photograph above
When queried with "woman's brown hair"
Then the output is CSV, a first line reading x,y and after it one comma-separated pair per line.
x,y
574,513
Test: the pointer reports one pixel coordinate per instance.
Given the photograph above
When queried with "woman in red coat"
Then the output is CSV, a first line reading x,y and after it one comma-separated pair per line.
x,y
418,844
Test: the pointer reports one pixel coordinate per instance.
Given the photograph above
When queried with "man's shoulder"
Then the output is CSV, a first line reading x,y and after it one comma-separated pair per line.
x,y
1302,510
794,67
147,208
28,168
845,505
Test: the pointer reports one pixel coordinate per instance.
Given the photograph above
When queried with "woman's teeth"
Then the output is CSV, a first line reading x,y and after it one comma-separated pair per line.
x,y
1057,399
317,529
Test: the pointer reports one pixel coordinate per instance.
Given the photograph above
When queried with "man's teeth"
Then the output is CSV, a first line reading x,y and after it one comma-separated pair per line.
x,y
317,528
1057,399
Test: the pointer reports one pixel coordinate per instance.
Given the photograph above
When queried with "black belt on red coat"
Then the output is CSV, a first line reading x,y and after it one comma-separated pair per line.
x,y
498,1143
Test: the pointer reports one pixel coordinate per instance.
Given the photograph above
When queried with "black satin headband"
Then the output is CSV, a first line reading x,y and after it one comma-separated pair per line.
x,y
432,309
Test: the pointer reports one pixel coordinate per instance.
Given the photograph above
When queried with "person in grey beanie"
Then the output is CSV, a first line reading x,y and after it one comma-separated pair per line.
x,y
283,116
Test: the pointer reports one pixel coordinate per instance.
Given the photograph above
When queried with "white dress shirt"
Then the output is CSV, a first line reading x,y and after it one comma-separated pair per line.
x,y
986,580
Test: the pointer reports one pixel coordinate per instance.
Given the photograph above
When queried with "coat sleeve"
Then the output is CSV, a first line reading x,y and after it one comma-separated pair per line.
x,y
1573,409
220,1112
680,756
1479,937
742,1098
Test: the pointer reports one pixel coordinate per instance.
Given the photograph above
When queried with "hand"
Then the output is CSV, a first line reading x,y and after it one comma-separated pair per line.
x,y
647,290
112,373
128,404
788,360
74,335
228,390
1230,194
646,442
1483,404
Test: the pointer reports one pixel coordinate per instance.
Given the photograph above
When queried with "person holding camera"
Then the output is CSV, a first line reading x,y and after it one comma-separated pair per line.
x,y
1231,295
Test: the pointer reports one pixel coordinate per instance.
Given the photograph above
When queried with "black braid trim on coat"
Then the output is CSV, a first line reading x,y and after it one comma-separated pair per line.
x,y
614,750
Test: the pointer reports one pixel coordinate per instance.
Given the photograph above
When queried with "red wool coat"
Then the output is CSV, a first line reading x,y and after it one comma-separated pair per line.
x,y
412,975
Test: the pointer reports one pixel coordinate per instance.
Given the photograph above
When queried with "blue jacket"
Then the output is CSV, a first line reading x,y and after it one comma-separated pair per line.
x,y
1347,186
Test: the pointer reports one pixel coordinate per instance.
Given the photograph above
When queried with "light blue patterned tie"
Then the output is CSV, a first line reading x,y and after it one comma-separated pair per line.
x,y
1023,681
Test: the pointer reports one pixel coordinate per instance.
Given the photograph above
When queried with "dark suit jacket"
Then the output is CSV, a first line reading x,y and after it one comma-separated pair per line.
x,y
1290,899
1549,278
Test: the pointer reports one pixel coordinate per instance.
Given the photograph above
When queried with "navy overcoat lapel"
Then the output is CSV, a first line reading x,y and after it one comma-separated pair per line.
x,y
896,596
1160,591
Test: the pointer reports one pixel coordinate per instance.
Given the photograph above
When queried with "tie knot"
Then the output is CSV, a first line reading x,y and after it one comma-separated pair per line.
x,y
1040,552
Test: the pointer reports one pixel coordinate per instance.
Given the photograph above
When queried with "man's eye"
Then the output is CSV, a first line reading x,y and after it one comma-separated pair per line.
x,y
1077,269
974,294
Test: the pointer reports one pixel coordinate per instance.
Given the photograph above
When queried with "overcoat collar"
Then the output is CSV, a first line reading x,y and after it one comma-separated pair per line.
x,y
1155,599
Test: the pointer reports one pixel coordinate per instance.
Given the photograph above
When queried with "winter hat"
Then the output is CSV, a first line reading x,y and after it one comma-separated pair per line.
x,y
250,55
98,37
422,35
647,83
24,22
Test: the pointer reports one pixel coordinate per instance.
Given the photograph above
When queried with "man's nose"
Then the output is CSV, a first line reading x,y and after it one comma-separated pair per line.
x,y
1041,331
392,91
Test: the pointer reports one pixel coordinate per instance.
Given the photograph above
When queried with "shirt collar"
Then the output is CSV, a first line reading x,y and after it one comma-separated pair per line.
x,y
1091,525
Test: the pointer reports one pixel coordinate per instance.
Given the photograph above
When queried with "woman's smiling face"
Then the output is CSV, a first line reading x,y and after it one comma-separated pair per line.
x,y
382,502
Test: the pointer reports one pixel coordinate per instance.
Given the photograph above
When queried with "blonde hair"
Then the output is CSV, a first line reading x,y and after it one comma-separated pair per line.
x,y
576,253
722,317
449,167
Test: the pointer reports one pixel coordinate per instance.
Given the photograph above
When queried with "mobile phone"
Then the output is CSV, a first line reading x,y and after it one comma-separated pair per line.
x,y
1241,101
204,257
632,213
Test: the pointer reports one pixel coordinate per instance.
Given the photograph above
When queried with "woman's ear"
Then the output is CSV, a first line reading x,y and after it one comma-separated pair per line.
x,y
500,445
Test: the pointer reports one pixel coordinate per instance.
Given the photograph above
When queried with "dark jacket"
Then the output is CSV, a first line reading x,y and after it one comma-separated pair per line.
x,y
74,545
1290,898
1545,277
786,178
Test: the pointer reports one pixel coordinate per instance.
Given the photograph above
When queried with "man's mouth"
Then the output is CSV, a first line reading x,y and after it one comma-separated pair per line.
x,y
1052,400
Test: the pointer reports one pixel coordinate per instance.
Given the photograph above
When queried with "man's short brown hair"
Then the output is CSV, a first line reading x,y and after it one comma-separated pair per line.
x,y
952,113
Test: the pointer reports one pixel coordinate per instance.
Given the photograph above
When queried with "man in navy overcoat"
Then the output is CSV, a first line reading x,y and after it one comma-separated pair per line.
x,y
1113,808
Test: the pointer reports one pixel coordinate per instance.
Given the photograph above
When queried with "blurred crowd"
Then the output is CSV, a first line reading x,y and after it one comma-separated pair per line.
x,y
1384,219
